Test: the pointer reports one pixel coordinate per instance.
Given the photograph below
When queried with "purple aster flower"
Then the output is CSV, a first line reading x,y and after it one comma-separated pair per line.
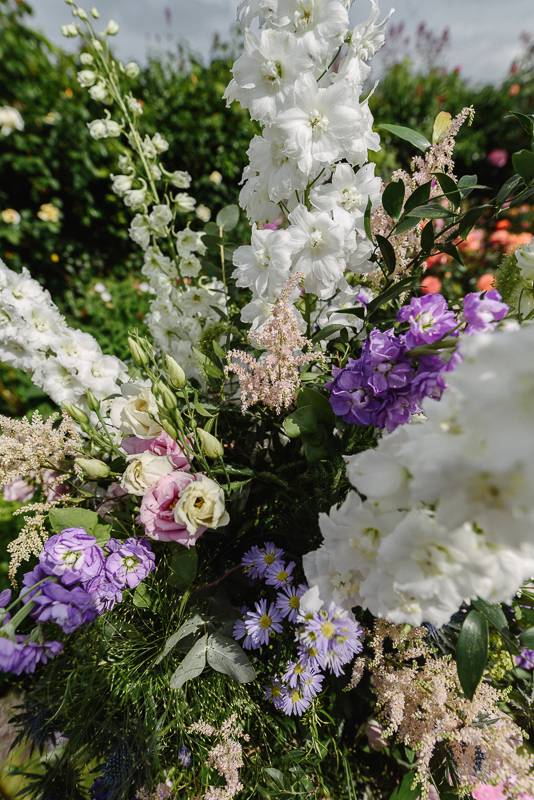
x,y
20,655
184,756
280,574
429,319
263,622
336,635
273,692
68,608
288,601
309,655
312,683
293,701
129,562
295,671
525,659
73,555
482,310
257,560
240,632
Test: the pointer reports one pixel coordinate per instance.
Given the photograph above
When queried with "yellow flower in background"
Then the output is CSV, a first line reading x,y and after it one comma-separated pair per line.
x,y
216,177
10,216
49,213
68,93
54,258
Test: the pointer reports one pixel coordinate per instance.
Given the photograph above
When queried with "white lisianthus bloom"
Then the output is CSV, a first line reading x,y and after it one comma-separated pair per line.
x,y
319,123
266,71
525,261
10,120
102,375
380,474
318,250
136,412
201,505
264,265
257,312
144,471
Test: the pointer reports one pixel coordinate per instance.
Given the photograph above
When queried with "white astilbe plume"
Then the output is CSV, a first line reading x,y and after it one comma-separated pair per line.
x,y
35,338
308,183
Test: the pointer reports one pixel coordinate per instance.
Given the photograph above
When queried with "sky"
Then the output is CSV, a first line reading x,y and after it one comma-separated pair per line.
x,y
484,33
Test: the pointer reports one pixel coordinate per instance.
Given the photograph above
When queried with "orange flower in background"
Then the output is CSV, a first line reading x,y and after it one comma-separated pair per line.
x,y
486,282
503,224
514,90
430,285
440,259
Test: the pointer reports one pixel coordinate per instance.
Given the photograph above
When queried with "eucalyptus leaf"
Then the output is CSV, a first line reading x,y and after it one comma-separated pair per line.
x,y
192,664
226,656
228,217
187,629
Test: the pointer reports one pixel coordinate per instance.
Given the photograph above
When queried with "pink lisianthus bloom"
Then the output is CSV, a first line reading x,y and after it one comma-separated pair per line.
x,y
18,490
157,510
484,791
162,445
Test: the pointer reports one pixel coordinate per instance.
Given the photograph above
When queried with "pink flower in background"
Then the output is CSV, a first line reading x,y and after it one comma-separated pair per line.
x,y
51,486
162,445
157,510
430,285
18,491
498,157
484,791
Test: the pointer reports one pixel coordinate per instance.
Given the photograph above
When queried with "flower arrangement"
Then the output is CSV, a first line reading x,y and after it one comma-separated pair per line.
x,y
285,549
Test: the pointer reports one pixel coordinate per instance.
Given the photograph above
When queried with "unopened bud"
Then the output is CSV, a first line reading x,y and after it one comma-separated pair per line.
x,y
92,467
92,402
166,396
175,373
112,28
170,429
138,352
211,446
76,414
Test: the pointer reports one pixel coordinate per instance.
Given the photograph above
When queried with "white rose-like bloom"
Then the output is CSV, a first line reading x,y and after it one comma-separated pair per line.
x,y
10,120
135,413
525,261
201,505
144,471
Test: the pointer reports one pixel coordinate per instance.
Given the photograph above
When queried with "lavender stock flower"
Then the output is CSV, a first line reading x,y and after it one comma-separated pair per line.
x,y
73,555
525,659
429,319
67,607
129,562
482,310
19,654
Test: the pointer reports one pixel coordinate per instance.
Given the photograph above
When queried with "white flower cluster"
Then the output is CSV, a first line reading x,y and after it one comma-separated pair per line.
x,y
449,509
10,120
35,338
307,185
181,306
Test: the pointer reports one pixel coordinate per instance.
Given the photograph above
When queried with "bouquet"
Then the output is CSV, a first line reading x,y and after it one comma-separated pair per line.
x,y
286,550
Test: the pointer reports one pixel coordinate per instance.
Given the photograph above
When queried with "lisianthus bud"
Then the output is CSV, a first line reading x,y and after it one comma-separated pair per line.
x,y
170,429
138,354
112,28
77,414
211,446
165,395
175,373
70,31
92,402
92,467
95,13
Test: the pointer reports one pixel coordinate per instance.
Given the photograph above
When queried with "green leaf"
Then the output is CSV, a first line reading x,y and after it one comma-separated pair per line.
x,y
526,121
406,224
419,197
493,613
61,518
523,162
192,664
228,217
449,187
187,629
527,638
388,253
429,211
226,656
472,652
389,294
467,183
508,187
302,420
211,229
406,791
101,533
427,238
469,220
183,568
141,597
327,331
409,135
393,198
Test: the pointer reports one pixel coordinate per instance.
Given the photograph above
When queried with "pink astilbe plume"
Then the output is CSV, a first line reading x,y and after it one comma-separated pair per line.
x,y
273,379
226,756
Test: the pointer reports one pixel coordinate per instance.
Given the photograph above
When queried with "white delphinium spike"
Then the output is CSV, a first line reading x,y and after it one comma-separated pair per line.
x,y
35,338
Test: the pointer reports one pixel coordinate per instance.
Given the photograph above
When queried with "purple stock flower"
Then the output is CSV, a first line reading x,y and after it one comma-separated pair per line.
x,y
129,562
20,655
104,593
257,560
73,555
482,310
67,607
336,635
288,601
263,622
525,659
429,319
